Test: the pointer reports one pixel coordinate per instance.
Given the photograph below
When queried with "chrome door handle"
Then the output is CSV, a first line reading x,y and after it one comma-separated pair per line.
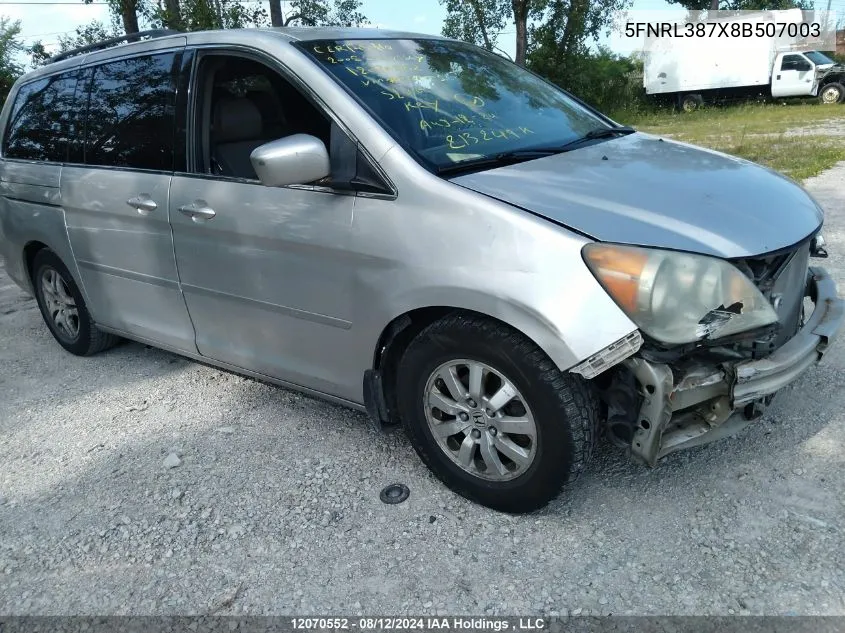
x,y
143,204
197,211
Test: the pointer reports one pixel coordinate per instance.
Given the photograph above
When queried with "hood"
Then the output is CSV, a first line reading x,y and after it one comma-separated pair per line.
x,y
643,190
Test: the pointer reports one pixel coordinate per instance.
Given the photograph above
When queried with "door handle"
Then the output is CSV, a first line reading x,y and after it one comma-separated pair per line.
x,y
143,204
197,211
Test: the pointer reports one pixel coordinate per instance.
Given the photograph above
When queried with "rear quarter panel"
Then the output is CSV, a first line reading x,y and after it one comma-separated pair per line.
x,y
31,211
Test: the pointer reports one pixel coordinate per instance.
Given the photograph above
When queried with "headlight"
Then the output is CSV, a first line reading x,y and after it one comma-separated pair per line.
x,y
678,297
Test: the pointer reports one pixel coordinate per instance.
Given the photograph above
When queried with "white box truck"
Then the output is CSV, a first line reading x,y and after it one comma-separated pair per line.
x,y
690,70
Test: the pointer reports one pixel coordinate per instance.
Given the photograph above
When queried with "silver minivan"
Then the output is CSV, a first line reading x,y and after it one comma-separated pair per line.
x,y
417,228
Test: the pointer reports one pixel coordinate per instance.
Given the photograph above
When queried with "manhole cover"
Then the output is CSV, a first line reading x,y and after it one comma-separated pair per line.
x,y
394,493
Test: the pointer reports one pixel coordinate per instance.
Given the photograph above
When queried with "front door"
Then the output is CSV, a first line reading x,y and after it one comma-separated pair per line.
x,y
115,193
263,270
794,76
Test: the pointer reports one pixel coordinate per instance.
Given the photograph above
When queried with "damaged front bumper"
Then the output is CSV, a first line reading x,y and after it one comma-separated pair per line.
x,y
707,403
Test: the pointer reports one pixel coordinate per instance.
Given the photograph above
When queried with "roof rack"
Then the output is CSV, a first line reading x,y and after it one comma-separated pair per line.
x,y
112,41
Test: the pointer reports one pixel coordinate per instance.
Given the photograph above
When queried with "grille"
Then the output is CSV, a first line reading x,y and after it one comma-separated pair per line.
x,y
782,279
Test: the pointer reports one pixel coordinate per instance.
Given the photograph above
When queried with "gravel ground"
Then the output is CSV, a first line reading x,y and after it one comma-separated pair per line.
x,y
136,482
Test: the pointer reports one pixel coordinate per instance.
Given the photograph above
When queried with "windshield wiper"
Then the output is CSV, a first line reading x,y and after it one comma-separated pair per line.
x,y
530,153
497,160
598,133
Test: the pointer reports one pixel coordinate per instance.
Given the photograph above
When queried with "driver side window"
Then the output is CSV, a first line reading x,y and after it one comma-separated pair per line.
x,y
793,62
243,104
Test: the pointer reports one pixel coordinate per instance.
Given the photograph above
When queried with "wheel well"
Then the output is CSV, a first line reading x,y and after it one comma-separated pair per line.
x,y
396,337
29,253
393,342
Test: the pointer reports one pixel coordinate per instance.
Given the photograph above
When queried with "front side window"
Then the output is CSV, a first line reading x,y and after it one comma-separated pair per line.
x,y
40,122
242,105
794,62
131,113
448,102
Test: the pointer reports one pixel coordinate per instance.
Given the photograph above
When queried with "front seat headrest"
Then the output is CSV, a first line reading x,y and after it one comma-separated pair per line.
x,y
236,120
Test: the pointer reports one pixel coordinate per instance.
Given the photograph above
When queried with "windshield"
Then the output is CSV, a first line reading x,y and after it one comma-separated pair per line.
x,y
448,102
819,59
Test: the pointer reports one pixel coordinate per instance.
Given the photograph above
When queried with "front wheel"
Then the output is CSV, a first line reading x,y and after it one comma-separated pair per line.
x,y
832,93
491,415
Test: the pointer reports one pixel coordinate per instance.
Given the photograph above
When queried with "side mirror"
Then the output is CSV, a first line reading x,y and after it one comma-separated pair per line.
x,y
294,160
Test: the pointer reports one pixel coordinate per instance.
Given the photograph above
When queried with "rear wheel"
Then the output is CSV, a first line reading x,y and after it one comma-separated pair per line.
x,y
690,102
832,93
491,415
63,308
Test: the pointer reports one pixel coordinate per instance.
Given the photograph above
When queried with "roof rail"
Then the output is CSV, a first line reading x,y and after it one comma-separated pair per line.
x,y
112,41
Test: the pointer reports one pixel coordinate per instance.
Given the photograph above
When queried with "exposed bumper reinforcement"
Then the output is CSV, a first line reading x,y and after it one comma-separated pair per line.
x,y
758,378
706,403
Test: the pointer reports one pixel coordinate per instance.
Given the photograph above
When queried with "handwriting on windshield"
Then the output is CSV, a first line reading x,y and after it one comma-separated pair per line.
x,y
407,80
466,139
330,49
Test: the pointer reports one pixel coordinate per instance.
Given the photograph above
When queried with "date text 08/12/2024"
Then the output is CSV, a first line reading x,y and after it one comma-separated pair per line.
x,y
419,624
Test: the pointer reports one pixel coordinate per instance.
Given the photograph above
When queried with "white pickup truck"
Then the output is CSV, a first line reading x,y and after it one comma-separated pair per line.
x,y
690,71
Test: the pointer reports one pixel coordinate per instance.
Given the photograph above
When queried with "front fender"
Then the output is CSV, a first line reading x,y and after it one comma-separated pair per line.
x,y
568,327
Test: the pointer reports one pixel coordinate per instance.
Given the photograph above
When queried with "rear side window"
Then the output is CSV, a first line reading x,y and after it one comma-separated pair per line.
x,y
40,122
131,113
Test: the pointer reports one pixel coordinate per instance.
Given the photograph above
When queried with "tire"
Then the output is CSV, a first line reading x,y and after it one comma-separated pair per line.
x,y
832,93
63,308
690,102
562,408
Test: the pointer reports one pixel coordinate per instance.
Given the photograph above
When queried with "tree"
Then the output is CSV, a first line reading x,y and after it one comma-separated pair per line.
x,y
83,35
560,42
199,15
318,13
482,21
10,48
476,21
171,15
523,10
127,11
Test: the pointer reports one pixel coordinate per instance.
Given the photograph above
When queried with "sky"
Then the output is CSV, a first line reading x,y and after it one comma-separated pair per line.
x,y
46,20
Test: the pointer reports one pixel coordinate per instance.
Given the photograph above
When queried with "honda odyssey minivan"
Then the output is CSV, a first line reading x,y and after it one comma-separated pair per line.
x,y
414,227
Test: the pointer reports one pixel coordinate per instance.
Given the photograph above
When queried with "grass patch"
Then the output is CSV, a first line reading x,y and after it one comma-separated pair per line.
x,y
757,133
799,157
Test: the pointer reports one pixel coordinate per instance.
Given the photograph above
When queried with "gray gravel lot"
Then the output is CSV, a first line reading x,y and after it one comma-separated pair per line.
x,y
137,482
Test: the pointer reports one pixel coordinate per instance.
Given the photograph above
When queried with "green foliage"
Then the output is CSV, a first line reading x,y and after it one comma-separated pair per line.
x,y
603,79
202,15
198,15
482,21
560,52
567,26
83,35
318,13
90,33
477,21
10,47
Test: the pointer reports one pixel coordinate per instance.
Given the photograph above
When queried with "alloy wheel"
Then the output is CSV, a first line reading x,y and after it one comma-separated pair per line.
x,y
60,303
480,420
